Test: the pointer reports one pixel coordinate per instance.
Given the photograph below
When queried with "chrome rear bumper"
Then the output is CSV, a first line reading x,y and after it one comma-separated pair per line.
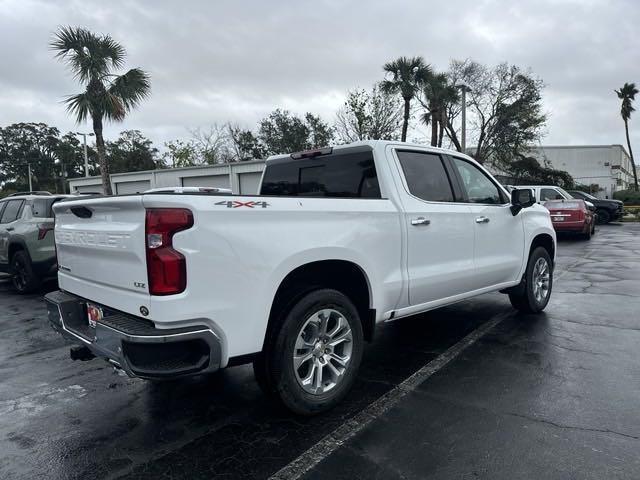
x,y
135,344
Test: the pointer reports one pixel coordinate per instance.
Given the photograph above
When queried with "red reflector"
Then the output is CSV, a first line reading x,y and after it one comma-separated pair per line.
x,y
166,267
43,228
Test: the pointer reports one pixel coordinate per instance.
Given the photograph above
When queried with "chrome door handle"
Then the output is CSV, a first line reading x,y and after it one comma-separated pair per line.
x,y
420,221
482,219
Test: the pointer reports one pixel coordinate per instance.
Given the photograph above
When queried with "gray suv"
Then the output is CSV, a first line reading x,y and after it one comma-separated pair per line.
x,y
27,248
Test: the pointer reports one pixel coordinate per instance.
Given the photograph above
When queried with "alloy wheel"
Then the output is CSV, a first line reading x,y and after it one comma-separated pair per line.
x,y
540,280
19,275
322,352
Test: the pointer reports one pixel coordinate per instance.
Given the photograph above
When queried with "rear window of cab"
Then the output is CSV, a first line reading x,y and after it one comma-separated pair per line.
x,y
347,173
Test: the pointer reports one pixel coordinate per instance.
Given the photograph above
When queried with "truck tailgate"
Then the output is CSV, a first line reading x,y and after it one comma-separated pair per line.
x,y
101,241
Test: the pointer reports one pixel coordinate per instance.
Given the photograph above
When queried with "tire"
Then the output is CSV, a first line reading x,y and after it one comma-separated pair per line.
x,y
324,329
23,277
602,216
587,236
593,227
529,299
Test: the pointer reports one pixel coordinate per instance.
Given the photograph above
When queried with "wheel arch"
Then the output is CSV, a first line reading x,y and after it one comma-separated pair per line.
x,y
545,241
344,276
16,246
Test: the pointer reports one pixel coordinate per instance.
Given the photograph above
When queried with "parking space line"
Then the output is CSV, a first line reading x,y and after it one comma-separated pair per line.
x,y
325,447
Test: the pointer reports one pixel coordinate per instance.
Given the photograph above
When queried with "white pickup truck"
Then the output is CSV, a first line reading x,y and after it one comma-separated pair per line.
x,y
294,279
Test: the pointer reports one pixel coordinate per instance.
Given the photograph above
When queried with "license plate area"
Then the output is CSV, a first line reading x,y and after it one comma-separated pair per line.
x,y
95,314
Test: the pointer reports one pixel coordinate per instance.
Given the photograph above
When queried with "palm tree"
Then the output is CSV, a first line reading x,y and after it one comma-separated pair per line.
x,y
408,76
93,59
628,94
439,95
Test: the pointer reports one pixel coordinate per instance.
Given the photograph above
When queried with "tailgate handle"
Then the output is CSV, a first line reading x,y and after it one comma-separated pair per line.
x,y
82,212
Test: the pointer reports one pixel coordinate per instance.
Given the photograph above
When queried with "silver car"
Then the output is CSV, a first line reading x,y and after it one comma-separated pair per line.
x,y
27,247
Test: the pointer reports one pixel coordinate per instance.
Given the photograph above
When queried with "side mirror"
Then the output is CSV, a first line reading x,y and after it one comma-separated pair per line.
x,y
590,206
521,198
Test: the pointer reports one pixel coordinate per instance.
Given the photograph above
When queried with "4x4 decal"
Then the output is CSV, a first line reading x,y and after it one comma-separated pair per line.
x,y
238,204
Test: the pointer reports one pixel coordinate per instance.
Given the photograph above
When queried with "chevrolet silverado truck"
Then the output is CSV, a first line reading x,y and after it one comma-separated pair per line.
x,y
297,278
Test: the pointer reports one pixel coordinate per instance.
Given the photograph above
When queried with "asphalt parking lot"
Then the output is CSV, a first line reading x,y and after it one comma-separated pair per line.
x,y
550,396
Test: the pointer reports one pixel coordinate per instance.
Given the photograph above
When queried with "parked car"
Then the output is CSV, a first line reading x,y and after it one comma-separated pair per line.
x,y
571,216
27,248
544,193
606,210
295,279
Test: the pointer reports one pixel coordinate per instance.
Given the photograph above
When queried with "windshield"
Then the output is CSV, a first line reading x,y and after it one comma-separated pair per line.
x,y
591,197
564,193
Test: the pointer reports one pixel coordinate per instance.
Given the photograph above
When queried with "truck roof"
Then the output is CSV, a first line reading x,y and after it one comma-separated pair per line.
x,y
373,144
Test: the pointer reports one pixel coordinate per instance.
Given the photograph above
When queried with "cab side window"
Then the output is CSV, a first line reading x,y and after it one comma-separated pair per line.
x,y
11,211
479,188
549,194
426,176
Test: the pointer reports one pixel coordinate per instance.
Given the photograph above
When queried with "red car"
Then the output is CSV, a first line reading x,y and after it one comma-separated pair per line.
x,y
571,216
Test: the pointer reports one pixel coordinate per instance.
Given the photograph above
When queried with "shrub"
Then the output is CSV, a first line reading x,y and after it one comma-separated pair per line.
x,y
630,197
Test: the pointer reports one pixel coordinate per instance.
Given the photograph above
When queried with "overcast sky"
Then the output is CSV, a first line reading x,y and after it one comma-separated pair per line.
x,y
219,61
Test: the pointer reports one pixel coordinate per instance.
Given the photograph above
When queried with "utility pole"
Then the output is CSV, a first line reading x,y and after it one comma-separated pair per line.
x,y
463,134
29,170
63,175
86,157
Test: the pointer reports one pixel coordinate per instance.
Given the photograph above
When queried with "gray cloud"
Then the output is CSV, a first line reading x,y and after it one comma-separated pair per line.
x,y
221,61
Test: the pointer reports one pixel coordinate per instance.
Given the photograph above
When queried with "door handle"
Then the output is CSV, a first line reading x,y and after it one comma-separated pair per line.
x,y
420,221
482,219
10,229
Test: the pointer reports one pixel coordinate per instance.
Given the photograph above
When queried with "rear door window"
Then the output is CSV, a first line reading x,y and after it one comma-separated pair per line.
x,y
549,194
339,175
11,211
426,176
41,207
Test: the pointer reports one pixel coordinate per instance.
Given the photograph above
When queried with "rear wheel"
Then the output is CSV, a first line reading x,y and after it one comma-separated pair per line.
x,y
587,235
602,216
311,359
24,278
538,282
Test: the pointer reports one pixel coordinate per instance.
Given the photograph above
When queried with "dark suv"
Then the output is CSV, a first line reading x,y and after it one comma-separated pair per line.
x,y
27,247
606,210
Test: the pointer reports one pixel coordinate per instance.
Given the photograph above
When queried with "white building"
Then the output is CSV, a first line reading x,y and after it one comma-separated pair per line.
x,y
240,177
608,166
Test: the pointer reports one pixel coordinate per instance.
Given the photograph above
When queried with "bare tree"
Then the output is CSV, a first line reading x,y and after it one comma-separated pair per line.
x,y
373,115
505,109
212,144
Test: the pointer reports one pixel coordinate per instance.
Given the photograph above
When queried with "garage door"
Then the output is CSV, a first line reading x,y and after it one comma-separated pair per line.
x,y
89,189
249,183
124,188
215,181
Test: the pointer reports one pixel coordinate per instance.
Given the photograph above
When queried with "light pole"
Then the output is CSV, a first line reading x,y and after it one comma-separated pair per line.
x,y
64,174
463,134
29,170
86,157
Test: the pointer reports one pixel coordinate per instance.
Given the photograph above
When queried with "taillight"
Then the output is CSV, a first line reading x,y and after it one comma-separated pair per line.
x,y
166,267
43,228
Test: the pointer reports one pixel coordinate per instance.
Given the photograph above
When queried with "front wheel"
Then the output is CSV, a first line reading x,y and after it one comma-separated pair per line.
x,y
311,359
538,282
602,216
